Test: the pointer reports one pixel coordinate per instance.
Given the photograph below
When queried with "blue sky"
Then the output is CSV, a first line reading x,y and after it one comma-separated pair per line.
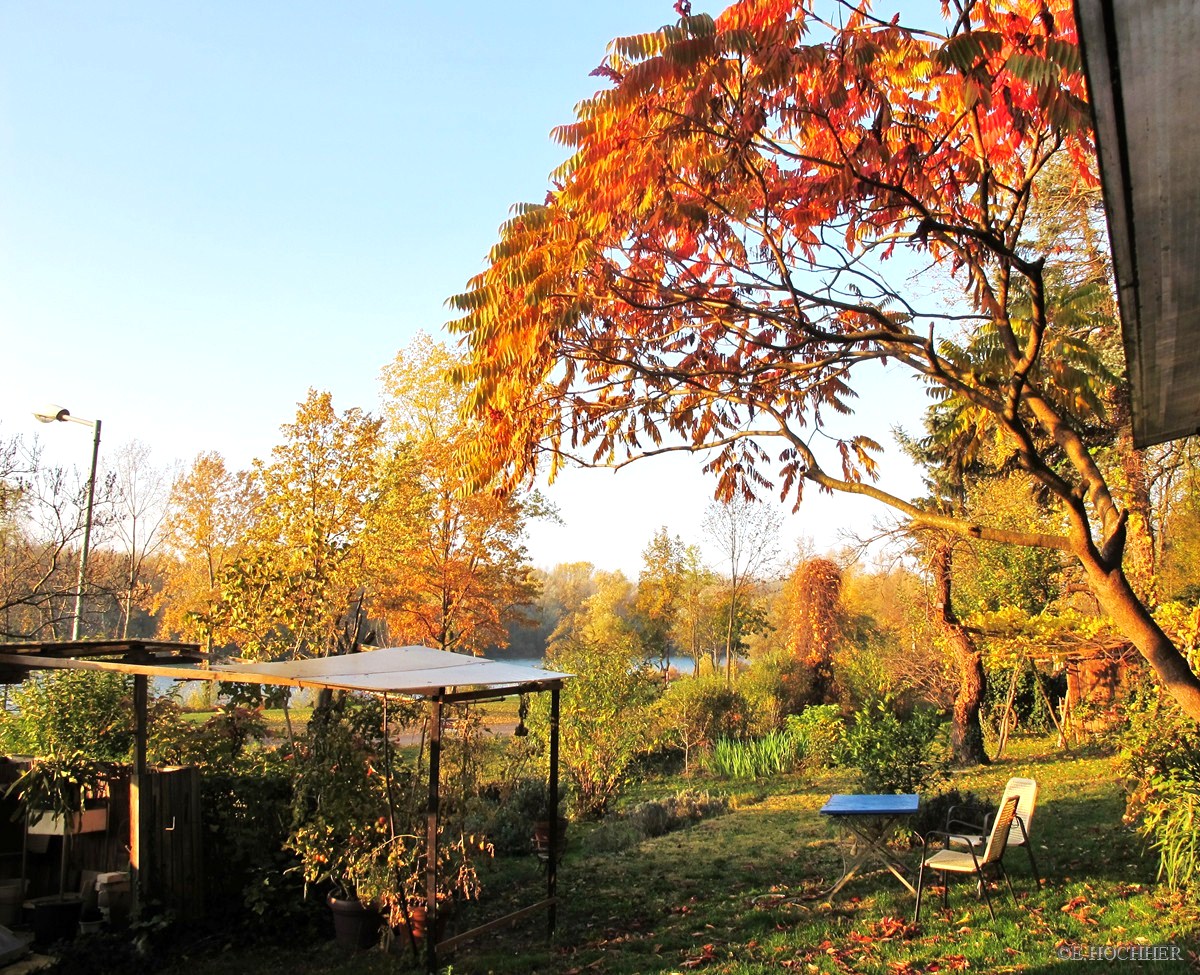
x,y
208,208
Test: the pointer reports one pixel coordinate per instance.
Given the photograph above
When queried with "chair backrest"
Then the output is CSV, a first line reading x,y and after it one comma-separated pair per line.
x,y
998,838
1026,791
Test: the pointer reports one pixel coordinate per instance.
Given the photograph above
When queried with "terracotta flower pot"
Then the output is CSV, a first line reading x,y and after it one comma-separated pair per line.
x,y
404,936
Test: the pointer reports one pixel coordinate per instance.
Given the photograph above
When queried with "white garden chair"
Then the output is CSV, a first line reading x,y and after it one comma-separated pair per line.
x,y
973,835
948,861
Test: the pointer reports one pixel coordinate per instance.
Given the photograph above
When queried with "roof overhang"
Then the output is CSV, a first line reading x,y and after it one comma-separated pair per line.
x,y
1143,70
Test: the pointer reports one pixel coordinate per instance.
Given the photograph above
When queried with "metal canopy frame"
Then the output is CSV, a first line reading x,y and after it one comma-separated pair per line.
x,y
148,658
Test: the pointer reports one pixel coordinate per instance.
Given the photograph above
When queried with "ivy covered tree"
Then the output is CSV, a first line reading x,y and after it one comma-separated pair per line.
x,y
718,263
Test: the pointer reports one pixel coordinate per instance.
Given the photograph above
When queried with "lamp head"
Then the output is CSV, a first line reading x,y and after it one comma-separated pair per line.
x,y
52,412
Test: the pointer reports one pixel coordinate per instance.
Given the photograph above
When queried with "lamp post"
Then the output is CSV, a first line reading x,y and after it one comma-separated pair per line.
x,y
49,414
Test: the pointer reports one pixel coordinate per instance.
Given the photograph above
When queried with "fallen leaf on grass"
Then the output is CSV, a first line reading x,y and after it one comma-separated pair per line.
x,y
707,954
889,927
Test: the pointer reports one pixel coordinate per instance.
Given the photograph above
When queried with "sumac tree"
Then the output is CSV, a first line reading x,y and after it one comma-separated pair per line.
x,y
719,259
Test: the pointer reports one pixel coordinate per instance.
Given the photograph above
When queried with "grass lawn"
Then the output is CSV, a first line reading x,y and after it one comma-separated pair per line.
x,y
736,896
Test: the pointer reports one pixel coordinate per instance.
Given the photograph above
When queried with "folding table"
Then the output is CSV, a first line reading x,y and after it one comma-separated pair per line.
x,y
870,819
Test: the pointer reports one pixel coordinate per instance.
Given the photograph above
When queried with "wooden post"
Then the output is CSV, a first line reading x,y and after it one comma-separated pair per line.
x,y
140,811
552,864
1008,703
431,832
1037,682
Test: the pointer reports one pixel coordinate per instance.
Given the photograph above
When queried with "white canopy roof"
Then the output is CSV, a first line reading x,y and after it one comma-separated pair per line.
x,y
398,670
403,670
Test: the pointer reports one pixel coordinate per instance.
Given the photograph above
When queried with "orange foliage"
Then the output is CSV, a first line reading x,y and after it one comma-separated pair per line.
x,y
694,279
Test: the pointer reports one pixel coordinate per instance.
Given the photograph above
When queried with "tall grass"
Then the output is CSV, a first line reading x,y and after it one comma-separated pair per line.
x,y
1172,823
753,758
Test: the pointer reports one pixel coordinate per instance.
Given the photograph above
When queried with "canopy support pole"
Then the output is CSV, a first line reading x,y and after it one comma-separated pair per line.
x,y
140,812
431,832
552,865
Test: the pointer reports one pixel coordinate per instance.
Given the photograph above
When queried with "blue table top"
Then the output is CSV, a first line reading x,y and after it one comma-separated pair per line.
x,y
843,805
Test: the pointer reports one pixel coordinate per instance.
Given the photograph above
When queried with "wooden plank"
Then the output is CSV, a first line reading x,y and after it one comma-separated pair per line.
x,y
59,649
449,944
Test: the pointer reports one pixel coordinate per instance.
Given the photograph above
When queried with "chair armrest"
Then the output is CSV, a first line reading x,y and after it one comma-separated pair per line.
x,y
932,833
974,829
975,826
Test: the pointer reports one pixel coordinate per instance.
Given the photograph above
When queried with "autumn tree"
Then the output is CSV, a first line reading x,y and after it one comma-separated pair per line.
x,y
1175,492
659,588
812,619
700,627
209,518
448,564
728,248
606,715
891,640
301,572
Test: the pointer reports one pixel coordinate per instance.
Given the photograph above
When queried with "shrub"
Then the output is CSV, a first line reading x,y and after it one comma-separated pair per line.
x,y
1161,758
695,711
605,722
819,733
775,687
247,815
70,711
662,816
755,758
658,817
893,755
1171,822
218,743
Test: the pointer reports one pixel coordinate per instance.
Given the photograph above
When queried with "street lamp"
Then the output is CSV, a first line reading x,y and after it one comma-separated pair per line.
x,y
49,414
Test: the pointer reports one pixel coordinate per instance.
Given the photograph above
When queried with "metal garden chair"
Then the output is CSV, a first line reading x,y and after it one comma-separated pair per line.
x,y
947,861
974,835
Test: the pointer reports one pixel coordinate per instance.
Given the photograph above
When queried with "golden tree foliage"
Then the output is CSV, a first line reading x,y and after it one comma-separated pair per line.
x,y
210,515
813,612
302,568
448,563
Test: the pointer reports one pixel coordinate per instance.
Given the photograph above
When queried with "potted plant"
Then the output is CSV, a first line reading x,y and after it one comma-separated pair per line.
x,y
337,806
56,790
60,794
393,877
359,829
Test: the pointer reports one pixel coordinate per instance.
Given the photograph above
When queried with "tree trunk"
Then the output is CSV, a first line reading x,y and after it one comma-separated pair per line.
x,y
1132,618
966,735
